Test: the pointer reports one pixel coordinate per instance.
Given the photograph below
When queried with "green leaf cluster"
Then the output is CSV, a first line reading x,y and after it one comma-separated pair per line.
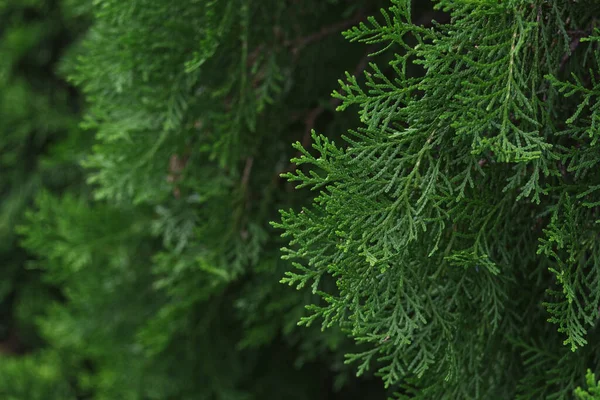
x,y
459,220
162,269
447,244
39,144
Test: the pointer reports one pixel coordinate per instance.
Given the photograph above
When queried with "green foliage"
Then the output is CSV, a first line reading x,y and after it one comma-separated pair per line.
x,y
164,269
475,149
39,142
447,245
34,378
593,391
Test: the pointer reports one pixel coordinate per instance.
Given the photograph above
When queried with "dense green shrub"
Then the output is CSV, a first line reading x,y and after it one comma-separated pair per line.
x,y
453,226
167,271
39,144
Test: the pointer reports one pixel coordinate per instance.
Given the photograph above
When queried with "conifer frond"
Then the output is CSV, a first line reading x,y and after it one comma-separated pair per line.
x,y
593,388
428,216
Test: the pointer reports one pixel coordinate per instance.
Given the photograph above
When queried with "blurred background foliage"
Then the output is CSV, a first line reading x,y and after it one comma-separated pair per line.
x,y
40,147
141,144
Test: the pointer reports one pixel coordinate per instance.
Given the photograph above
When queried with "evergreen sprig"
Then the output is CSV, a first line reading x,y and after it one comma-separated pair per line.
x,y
428,216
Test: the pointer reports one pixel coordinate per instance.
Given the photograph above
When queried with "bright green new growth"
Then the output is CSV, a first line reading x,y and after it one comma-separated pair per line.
x,y
466,199
593,391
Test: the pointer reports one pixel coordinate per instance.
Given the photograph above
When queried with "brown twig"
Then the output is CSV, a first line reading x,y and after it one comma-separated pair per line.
x,y
572,47
247,170
576,35
311,117
253,56
176,165
12,345
299,43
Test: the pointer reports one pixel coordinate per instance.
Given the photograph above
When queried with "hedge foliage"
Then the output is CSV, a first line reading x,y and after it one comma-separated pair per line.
x,y
447,248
